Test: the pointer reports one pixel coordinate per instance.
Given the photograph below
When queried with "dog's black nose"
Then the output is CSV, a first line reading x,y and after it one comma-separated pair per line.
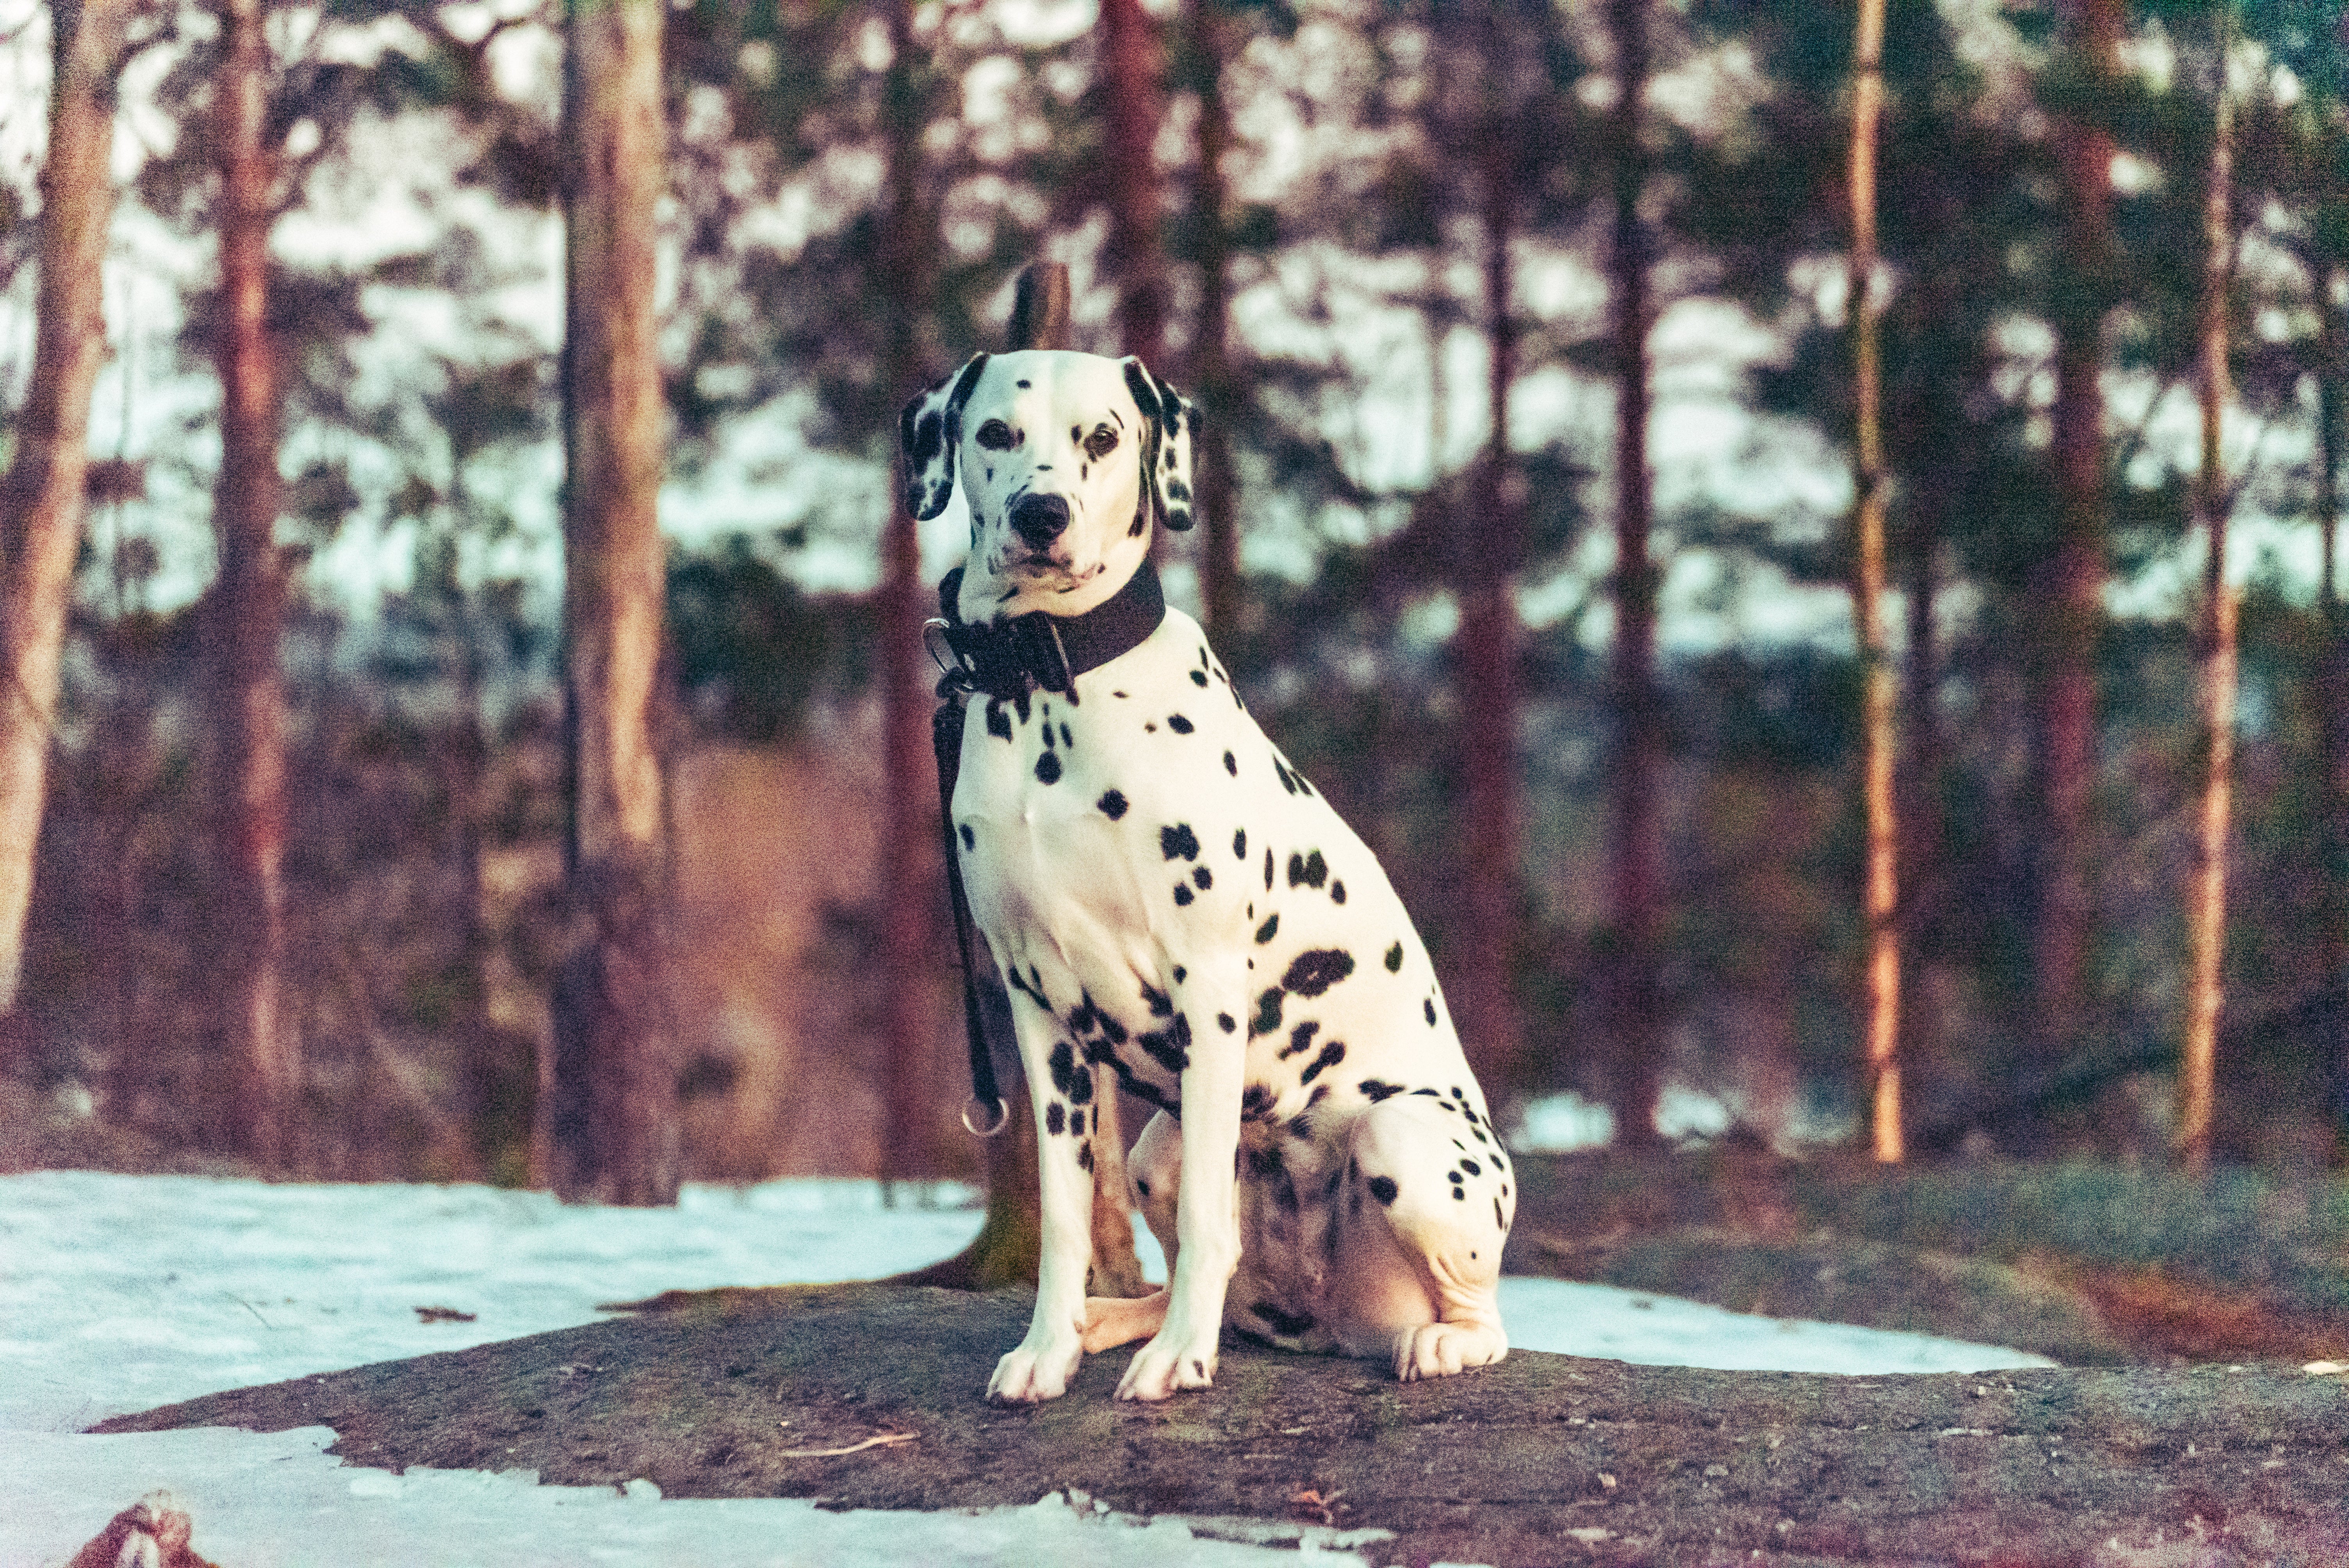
x,y
1040,519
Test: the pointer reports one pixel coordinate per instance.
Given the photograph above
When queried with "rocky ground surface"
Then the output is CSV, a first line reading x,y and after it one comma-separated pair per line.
x,y
869,1396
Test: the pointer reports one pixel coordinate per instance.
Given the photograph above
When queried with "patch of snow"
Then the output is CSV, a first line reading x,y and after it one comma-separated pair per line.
x,y
121,1292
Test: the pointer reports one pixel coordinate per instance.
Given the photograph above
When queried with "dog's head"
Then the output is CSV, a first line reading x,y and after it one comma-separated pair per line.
x,y
1064,460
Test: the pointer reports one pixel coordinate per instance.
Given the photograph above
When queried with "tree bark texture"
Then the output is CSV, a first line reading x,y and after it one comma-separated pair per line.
x,y
1210,369
912,888
1132,67
247,616
41,498
2206,913
615,1129
1878,693
1636,873
2332,655
2068,594
1484,548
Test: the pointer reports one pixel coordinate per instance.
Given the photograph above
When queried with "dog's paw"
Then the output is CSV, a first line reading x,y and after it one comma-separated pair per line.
x,y
1441,1349
1029,1375
1166,1364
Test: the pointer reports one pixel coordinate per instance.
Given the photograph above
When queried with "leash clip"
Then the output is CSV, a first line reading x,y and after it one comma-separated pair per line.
x,y
1001,1114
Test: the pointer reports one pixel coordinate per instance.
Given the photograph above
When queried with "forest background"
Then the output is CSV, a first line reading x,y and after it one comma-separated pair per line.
x,y
1534,529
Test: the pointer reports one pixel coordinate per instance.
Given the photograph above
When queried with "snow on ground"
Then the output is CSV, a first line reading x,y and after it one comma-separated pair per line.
x,y
120,1293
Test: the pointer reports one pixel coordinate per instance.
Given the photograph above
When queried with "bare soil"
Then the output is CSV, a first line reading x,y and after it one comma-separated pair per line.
x,y
1545,1458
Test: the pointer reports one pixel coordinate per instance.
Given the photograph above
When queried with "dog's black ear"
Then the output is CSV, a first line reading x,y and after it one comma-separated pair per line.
x,y
929,430
1171,421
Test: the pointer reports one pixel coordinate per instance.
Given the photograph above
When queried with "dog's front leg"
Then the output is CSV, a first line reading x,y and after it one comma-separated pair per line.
x,y
1045,1361
1209,1010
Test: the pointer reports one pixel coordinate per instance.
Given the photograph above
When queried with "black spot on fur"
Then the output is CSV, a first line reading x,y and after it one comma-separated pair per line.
x,y
1331,1054
1198,677
1048,768
1056,1119
1267,1013
1337,893
1288,1323
1085,1156
1423,1091
1112,805
1067,739
1301,1038
1461,1193
1395,959
969,839
1063,1063
998,723
1268,870
1240,843
1161,1005
1255,1102
1429,1006
1080,1088
1384,1189
1375,1091
1178,843
1178,724
1314,973
1179,973
1271,924
1231,763
1201,878
1182,893
1307,870
1497,1218
1471,1167
1226,1022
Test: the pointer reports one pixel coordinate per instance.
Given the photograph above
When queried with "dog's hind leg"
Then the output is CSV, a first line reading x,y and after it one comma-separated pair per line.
x,y
1419,1266
1154,1174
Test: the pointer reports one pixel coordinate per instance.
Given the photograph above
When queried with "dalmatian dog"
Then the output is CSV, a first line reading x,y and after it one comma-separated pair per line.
x,y
1166,896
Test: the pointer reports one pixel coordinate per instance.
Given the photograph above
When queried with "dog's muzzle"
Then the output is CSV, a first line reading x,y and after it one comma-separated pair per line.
x,y
1038,520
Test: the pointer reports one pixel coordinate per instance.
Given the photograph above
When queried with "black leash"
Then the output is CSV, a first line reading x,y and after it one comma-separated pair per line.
x,y
1006,661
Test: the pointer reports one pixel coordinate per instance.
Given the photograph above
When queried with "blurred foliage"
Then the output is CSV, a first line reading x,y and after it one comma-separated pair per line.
x,y
427,754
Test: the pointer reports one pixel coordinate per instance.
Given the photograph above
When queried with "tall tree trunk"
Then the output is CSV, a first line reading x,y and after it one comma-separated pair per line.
x,y
1485,550
1636,963
1878,691
2332,655
1210,370
615,1126
247,616
1132,69
2207,916
2071,581
1009,1242
911,888
41,497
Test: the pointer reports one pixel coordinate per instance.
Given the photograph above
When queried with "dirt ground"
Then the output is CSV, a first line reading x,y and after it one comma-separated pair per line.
x,y
870,1396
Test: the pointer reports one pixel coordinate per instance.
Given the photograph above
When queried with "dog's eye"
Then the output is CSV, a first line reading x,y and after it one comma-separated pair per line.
x,y
996,435
1100,443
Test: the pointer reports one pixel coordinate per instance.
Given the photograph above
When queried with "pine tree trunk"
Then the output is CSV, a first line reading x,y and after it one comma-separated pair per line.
x,y
1484,548
41,498
1132,67
2331,679
1635,966
1879,692
614,1127
2069,586
1007,1248
247,616
2206,915
1210,369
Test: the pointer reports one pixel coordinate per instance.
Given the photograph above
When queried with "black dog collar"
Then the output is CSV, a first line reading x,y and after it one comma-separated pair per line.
x,y
1040,651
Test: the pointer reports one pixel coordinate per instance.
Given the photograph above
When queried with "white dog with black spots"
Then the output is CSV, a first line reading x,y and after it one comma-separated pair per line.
x,y
1165,894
